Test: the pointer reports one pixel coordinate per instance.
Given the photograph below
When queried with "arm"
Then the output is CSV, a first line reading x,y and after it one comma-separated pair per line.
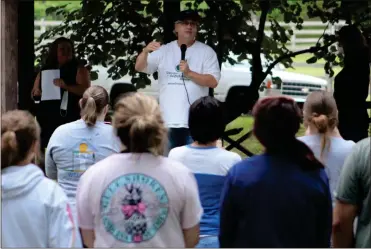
x,y
149,59
62,227
83,82
348,198
141,62
228,217
192,212
51,170
202,79
344,216
36,89
84,212
211,71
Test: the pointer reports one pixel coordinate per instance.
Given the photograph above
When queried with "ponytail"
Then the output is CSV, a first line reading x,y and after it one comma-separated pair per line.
x,y
89,112
145,135
93,102
321,122
9,149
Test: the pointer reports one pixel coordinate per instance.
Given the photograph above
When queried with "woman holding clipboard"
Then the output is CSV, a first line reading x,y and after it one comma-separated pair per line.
x,y
71,76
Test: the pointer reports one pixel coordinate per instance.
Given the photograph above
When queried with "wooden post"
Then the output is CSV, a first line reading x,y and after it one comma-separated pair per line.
x,y
9,54
26,54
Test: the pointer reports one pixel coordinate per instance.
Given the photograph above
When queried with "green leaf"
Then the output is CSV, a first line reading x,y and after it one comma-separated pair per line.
x,y
312,60
93,75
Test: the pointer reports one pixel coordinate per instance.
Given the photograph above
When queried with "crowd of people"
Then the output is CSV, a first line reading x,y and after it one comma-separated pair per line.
x,y
115,188
157,176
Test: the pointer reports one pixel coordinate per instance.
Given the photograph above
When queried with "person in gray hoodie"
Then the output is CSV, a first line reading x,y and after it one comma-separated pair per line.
x,y
35,210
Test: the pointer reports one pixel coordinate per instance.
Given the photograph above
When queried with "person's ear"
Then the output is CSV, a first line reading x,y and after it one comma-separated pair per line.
x,y
80,103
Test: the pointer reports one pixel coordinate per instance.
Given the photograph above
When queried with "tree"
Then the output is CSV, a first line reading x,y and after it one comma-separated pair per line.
x,y
111,33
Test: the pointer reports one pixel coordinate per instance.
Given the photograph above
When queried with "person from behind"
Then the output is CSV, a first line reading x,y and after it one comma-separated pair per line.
x,y
35,210
138,198
75,146
323,138
209,162
353,199
282,197
351,84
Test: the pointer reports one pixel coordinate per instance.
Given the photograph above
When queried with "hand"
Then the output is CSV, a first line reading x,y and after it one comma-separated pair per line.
x,y
59,82
184,68
35,92
152,46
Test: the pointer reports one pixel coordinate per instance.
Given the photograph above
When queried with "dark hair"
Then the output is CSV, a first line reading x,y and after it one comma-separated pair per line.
x,y
206,120
277,120
139,124
355,46
351,38
94,99
51,61
19,132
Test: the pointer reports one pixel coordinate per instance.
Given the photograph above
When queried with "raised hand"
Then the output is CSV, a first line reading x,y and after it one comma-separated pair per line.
x,y
152,46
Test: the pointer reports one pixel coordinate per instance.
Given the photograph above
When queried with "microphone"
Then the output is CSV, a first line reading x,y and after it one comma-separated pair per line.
x,y
183,49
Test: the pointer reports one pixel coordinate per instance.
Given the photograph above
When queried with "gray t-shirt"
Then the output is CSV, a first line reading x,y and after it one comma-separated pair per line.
x,y
73,148
334,158
355,188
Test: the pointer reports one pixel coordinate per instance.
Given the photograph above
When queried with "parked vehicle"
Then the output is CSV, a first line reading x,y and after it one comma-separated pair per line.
x,y
294,85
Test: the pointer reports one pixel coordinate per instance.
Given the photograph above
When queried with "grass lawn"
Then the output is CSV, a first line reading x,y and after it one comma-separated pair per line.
x,y
252,144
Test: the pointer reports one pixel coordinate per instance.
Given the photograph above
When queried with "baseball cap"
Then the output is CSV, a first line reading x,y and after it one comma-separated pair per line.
x,y
188,15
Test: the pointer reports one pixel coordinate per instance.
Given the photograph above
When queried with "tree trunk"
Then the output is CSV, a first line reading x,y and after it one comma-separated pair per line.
x,y
9,54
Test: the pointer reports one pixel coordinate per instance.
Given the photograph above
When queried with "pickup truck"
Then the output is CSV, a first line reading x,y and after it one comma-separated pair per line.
x,y
294,85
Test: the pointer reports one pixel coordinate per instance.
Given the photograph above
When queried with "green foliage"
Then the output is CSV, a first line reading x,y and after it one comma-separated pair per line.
x,y
42,6
112,33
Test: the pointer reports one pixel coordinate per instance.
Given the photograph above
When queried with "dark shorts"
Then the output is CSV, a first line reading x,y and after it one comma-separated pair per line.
x,y
178,137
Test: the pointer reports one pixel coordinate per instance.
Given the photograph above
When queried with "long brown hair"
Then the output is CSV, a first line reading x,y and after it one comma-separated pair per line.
x,y
139,124
93,101
277,120
19,133
321,111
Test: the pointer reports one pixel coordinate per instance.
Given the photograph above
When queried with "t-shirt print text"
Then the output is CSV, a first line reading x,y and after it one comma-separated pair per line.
x,y
134,207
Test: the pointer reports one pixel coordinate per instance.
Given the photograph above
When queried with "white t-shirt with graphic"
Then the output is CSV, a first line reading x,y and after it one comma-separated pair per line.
x,y
73,148
138,200
173,99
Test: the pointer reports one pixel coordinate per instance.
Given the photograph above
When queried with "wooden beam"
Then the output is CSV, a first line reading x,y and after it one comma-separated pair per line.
x,y
26,54
9,54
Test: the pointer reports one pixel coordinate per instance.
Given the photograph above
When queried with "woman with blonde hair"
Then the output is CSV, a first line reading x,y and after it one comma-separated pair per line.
x,y
323,137
75,146
35,210
139,198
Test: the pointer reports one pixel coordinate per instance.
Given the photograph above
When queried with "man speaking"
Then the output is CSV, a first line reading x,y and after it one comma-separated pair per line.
x,y
186,70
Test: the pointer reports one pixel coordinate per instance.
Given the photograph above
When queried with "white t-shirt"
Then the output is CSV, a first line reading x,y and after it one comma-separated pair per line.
x,y
210,166
338,151
173,99
138,200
